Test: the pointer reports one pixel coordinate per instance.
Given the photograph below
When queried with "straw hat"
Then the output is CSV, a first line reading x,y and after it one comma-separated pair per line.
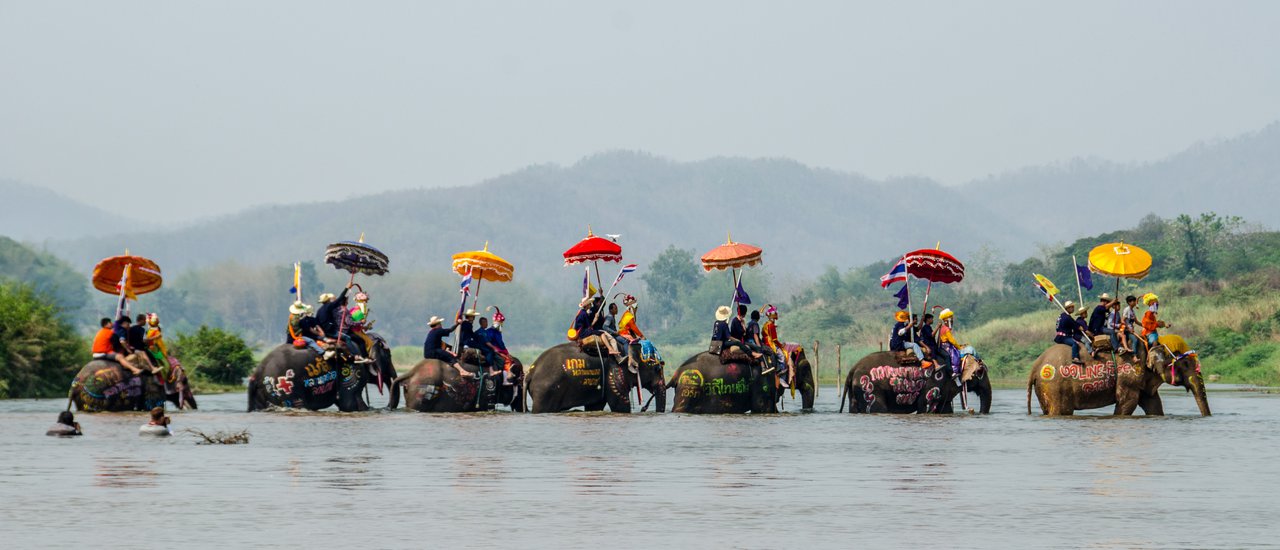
x,y
946,314
298,308
585,303
1105,297
723,313
1068,304
435,321
902,316
327,297
469,313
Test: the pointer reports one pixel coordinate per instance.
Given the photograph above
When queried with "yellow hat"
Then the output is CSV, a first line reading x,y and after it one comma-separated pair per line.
x,y
1150,298
902,316
946,314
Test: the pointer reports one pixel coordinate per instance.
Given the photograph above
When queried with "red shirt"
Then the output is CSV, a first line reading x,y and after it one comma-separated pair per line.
x,y
102,341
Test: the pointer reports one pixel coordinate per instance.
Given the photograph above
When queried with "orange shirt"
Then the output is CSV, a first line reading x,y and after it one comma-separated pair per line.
x,y
1149,323
771,334
102,341
627,327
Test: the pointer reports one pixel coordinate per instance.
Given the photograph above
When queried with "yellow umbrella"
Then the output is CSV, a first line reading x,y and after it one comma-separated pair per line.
x,y
1120,260
484,265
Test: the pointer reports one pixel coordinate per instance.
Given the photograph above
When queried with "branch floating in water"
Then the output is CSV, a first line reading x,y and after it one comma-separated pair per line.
x,y
220,437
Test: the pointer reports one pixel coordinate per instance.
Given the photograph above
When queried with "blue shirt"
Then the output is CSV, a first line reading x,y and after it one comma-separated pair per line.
x,y
435,340
895,339
494,336
720,331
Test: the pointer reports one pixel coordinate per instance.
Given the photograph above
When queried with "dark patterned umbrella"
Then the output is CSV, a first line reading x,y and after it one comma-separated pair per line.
x,y
357,257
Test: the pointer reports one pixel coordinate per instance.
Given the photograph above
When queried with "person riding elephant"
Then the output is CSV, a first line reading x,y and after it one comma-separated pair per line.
x,y
290,377
332,308
433,346
902,336
584,328
566,377
879,383
1132,380
107,347
302,327
105,385
433,386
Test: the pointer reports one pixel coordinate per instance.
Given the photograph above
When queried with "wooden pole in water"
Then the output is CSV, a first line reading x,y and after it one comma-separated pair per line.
x,y
817,369
839,369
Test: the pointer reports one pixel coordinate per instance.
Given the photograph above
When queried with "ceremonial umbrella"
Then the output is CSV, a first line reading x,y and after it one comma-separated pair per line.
x,y
355,257
593,249
933,265
1120,260
127,276
483,266
732,256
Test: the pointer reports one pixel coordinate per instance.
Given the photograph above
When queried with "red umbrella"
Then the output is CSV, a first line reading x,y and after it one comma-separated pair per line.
x,y
593,249
934,266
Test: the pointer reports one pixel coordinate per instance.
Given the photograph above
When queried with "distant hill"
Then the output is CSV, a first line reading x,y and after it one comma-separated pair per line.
x,y
1239,176
35,214
803,217
46,274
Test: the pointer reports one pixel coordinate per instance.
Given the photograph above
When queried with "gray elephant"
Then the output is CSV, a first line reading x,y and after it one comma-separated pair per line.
x,y
435,386
882,383
290,377
1127,381
564,377
106,386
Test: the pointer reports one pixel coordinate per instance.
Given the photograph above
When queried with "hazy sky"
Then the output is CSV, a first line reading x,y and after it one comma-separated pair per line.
x,y
216,105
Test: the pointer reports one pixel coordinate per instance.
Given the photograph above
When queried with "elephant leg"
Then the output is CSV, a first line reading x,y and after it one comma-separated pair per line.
x,y
1151,404
878,402
1126,402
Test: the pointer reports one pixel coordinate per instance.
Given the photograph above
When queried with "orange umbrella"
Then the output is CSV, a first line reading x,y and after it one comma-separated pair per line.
x,y
731,255
144,275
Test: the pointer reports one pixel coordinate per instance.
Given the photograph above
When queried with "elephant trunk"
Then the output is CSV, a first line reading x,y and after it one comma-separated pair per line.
x,y
1196,384
393,400
660,395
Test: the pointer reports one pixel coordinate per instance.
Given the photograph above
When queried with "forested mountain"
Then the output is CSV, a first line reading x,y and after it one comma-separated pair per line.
x,y
803,217
35,214
1238,177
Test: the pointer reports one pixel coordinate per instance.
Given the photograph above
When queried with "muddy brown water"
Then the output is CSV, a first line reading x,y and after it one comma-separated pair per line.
x,y
399,479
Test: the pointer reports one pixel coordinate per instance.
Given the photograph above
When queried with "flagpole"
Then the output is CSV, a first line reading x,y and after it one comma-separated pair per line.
x,y
1075,266
907,270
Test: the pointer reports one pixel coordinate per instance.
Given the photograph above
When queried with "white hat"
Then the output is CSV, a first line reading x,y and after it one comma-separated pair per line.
x,y
469,313
298,308
327,297
585,302
1105,297
1068,304
723,313
435,321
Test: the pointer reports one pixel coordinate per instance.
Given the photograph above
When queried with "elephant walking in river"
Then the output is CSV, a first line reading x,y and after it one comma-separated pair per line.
x,y
564,377
303,378
435,386
880,383
106,386
1127,381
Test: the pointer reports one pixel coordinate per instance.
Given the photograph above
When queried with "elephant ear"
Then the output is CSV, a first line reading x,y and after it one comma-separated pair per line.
x,y
969,366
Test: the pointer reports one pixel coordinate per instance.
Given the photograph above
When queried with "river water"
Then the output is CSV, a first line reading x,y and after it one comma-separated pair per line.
x,y
400,479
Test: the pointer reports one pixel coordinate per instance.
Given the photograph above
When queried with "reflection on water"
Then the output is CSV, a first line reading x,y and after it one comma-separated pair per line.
x,y
124,472
388,479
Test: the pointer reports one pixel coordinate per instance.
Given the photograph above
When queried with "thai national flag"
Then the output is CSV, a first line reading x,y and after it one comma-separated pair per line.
x,y
895,275
629,268
465,287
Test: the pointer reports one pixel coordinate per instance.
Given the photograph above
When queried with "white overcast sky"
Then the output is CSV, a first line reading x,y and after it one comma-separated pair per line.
x,y
213,106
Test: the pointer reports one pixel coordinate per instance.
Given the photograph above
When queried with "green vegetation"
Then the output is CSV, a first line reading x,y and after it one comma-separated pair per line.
x,y
39,352
214,355
46,274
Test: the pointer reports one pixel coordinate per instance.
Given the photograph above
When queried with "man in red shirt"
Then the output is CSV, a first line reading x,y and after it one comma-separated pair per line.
x,y
103,348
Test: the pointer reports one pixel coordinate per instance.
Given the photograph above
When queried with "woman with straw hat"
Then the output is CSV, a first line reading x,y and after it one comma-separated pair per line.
x,y
900,338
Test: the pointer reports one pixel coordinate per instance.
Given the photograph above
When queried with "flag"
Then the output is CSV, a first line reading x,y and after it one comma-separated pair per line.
x,y
740,296
586,282
1086,278
296,289
1046,285
629,268
904,299
465,286
1043,292
897,274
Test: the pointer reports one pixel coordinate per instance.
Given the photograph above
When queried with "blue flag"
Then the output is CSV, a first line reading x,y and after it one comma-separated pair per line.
x,y
1086,278
740,295
903,297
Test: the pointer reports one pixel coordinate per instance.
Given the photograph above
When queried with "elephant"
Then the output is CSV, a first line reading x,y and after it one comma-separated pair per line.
x,y
435,386
879,383
1129,381
706,384
303,378
106,386
565,377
